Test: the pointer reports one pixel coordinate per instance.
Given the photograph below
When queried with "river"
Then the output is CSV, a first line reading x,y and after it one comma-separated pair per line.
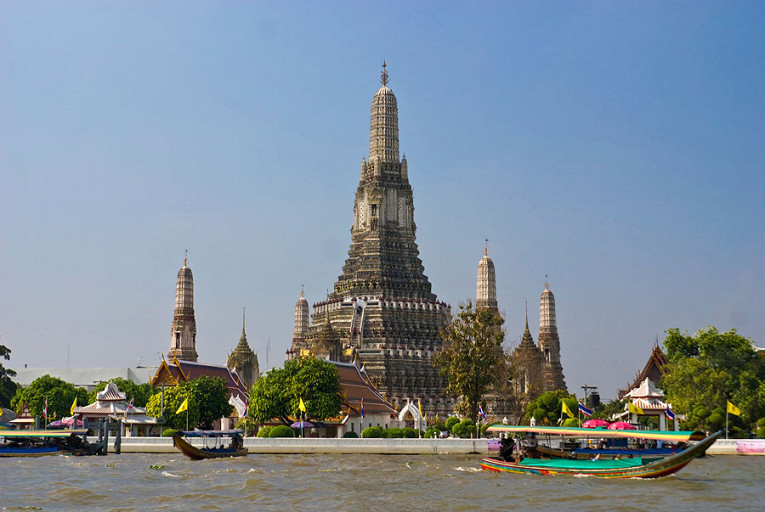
x,y
359,483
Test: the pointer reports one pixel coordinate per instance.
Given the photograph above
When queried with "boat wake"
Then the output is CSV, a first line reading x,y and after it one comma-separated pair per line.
x,y
169,474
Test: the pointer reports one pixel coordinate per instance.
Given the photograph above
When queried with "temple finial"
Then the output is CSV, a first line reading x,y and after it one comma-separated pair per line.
x,y
302,293
486,248
186,259
527,315
243,315
547,283
384,75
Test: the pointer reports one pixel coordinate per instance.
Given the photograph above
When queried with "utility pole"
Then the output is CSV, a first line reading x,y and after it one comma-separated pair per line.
x,y
585,388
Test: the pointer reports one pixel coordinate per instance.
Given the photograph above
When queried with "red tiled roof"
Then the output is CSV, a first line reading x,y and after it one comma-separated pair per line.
x,y
189,370
355,387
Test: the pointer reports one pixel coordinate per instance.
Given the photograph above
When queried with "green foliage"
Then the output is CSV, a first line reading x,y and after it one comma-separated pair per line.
x,y
547,409
433,432
761,433
710,368
278,393
169,432
281,431
411,433
761,422
464,429
7,386
207,398
248,425
450,422
265,431
373,432
60,397
473,359
571,422
393,433
140,393
351,435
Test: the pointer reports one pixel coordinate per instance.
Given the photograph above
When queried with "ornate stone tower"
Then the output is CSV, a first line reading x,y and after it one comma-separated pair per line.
x,y
527,362
381,310
486,293
183,344
300,330
549,344
244,360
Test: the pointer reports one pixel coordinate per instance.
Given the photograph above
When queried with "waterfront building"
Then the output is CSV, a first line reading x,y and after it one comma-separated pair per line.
x,y
183,343
653,370
381,311
244,361
111,403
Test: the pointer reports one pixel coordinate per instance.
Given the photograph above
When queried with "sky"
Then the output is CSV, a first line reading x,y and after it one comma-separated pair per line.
x,y
614,147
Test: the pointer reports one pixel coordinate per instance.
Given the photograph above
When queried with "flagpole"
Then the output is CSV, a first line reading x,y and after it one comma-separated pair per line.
x,y
726,421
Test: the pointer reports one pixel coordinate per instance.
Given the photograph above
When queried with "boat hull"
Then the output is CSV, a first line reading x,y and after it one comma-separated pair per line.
x,y
629,468
28,451
195,453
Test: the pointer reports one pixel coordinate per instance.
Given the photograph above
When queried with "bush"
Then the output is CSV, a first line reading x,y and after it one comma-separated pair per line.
x,y
393,433
761,433
410,433
570,422
372,432
761,422
264,431
169,432
433,432
464,429
351,434
281,431
450,422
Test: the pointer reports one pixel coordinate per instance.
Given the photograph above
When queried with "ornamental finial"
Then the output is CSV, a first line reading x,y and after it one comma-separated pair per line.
x,y
486,248
384,75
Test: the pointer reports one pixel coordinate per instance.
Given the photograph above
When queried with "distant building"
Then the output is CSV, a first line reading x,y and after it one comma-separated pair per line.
x,y
382,312
112,403
244,361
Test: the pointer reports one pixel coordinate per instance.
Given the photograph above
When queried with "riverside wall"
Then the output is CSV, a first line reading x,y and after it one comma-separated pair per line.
x,y
384,446
318,445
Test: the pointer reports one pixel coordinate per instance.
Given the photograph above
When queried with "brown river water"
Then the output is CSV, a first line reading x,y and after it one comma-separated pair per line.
x,y
359,483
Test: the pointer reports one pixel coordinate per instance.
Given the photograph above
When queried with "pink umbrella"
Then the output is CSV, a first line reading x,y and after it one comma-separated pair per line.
x,y
595,423
621,425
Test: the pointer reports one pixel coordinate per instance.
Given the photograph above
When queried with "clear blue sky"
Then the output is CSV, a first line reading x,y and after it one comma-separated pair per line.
x,y
615,146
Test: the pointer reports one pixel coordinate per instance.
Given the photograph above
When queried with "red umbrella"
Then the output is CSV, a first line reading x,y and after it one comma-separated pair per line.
x,y
595,423
621,425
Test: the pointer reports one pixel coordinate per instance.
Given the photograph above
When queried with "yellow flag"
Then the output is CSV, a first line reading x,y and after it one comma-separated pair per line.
x,y
419,406
184,407
635,409
1,411
733,409
567,410
74,406
302,405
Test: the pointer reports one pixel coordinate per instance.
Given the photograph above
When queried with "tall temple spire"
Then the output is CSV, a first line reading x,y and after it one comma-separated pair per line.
x,y
244,360
549,343
383,126
184,330
382,304
486,289
301,317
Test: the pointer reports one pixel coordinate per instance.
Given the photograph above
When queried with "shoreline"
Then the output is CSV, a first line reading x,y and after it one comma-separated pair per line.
x,y
403,446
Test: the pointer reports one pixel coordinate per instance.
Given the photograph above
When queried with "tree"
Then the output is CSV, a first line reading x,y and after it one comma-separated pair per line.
x,y
60,397
473,359
140,393
7,386
207,401
278,394
708,369
547,409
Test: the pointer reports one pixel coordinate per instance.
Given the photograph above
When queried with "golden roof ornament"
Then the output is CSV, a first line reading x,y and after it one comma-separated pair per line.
x,y
384,75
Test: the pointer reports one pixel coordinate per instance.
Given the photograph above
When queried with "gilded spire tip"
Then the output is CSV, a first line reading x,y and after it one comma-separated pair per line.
x,y
384,75
186,259
486,248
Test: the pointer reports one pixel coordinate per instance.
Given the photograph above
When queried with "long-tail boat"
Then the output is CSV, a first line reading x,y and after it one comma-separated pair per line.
x,y
36,443
636,467
214,446
585,443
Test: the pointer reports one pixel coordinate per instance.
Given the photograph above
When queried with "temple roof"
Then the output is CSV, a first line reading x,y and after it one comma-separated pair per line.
x,y
355,386
647,389
172,374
